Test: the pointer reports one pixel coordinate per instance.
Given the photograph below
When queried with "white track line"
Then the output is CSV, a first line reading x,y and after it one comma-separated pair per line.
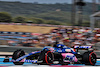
x,y
31,66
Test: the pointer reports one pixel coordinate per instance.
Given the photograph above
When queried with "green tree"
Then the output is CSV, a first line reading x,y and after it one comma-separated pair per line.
x,y
19,19
53,22
38,21
5,17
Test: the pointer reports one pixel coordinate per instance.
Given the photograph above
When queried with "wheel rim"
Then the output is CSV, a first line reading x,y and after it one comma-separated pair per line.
x,y
49,57
92,58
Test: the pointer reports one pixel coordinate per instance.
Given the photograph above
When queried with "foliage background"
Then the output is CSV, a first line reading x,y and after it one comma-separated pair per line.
x,y
58,14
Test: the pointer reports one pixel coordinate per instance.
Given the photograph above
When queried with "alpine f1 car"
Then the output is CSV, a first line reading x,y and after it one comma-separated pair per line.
x,y
59,54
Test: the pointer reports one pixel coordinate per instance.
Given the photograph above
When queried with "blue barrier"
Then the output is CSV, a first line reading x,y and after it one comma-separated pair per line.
x,y
16,37
9,39
19,33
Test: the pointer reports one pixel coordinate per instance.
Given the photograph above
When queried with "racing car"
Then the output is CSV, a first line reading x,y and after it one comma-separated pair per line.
x,y
58,54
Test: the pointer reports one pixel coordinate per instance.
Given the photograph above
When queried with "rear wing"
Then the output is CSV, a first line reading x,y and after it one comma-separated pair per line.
x,y
77,48
89,48
82,47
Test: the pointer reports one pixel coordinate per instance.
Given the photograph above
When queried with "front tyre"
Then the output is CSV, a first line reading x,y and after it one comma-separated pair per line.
x,y
89,58
46,57
17,54
49,57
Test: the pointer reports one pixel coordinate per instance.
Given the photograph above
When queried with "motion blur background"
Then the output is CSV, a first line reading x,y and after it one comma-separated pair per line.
x,y
39,23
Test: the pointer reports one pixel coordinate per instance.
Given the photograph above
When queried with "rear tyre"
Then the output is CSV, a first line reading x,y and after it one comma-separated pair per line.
x,y
89,58
16,55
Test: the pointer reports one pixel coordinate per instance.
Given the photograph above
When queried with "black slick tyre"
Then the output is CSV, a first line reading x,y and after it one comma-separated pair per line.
x,y
16,55
46,57
49,57
89,58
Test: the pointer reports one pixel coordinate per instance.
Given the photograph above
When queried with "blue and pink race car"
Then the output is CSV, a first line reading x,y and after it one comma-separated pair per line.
x,y
58,54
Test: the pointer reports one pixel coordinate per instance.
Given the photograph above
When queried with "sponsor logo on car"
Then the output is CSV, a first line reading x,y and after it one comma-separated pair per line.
x,y
31,61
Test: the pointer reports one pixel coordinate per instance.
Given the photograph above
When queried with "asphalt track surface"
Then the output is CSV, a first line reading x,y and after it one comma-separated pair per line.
x,y
10,64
